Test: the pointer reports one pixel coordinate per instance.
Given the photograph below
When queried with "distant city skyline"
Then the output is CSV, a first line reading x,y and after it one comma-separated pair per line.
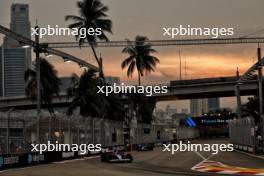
x,y
198,107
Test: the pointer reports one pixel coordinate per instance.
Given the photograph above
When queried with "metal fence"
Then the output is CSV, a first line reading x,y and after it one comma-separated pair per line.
x,y
187,133
242,134
18,130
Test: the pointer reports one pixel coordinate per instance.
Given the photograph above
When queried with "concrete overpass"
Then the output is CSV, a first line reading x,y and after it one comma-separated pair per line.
x,y
207,88
22,102
178,90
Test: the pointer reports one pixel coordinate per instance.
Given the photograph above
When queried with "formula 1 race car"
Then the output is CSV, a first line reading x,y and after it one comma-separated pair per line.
x,y
145,147
116,157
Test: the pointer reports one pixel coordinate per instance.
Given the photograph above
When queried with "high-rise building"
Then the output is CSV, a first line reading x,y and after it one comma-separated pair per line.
x,y
112,79
13,71
19,23
198,107
15,60
213,104
184,111
170,111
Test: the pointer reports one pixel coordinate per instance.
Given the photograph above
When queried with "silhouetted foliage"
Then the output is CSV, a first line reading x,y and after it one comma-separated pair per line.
x,y
90,102
140,57
251,108
92,14
50,83
143,106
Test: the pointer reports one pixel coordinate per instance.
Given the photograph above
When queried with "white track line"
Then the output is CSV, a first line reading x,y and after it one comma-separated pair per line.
x,y
204,159
200,155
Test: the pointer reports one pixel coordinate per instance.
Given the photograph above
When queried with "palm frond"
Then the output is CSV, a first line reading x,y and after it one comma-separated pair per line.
x,y
131,69
127,61
74,18
140,51
76,25
104,24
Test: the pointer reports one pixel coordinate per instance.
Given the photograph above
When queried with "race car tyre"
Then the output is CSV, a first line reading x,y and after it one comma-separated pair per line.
x,y
129,156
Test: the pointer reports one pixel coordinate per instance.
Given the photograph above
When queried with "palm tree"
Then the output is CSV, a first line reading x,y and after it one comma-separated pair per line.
x,y
50,84
251,108
85,96
142,106
92,14
139,57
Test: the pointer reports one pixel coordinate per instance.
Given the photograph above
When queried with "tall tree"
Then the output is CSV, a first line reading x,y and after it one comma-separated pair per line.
x,y
92,15
143,106
50,84
85,95
139,58
91,103
251,108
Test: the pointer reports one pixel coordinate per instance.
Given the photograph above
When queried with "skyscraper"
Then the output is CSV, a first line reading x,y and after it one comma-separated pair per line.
x,y
213,104
14,59
13,70
198,106
112,79
19,23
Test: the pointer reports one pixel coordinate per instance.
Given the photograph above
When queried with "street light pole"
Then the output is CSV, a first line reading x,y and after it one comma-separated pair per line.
x,y
180,64
237,89
8,129
7,132
37,52
260,80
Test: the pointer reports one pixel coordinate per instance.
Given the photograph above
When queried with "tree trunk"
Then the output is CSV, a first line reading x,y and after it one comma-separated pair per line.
x,y
60,131
99,62
49,135
69,130
139,81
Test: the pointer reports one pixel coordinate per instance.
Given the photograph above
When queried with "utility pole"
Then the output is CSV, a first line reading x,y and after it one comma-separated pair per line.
x,y
37,52
7,132
260,80
185,69
180,64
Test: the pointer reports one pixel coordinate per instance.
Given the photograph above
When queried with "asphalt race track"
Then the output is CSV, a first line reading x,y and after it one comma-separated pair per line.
x,y
156,163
